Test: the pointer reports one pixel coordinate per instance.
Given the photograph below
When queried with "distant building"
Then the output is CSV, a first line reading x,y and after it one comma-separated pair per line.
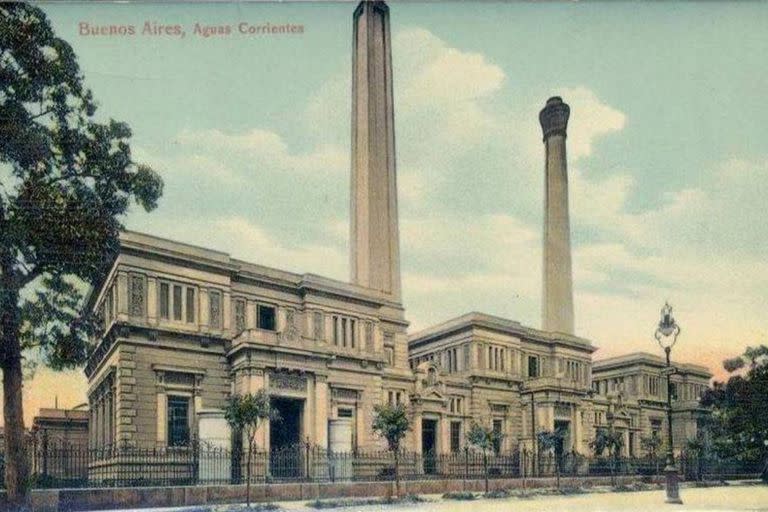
x,y
631,396
66,427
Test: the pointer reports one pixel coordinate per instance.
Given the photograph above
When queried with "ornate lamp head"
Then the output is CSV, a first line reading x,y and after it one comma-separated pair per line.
x,y
667,330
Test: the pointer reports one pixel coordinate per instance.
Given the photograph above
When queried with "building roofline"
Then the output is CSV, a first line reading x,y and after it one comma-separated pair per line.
x,y
646,358
144,243
496,323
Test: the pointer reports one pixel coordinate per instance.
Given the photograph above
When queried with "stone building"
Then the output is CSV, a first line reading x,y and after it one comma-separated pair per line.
x,y
63,427
185,327
497,371
631,396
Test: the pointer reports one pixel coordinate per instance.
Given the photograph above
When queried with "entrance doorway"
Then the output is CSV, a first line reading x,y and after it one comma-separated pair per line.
x,y
429,445
286,454
563,442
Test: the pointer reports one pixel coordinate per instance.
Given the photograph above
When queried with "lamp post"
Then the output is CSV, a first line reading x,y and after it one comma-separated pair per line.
x,y
666,335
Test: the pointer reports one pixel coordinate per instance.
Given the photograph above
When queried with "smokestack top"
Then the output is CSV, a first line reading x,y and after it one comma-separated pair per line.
x,y
554,117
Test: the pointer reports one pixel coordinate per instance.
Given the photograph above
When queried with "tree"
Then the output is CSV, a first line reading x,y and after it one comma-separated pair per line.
x,y
66,179
487,440
244,413
738,427
652,445
611,441
392,423
548,442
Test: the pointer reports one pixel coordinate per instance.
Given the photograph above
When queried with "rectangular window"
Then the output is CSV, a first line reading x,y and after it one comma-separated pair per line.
x,y
165,301
178,421
336,330
389,353
345,413
266,318
177,302
533,366
498,428
455,436
190,305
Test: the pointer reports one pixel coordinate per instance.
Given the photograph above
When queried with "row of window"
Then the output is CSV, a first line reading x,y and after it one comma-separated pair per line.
x,y
456,405
395,398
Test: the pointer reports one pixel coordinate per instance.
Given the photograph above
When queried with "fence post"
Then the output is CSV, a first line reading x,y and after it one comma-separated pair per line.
x,y
307,475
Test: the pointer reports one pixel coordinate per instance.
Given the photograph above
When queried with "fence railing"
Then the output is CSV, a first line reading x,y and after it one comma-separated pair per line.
x,y
55,465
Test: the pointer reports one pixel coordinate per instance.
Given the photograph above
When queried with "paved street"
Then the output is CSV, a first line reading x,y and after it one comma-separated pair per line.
x,y
751,498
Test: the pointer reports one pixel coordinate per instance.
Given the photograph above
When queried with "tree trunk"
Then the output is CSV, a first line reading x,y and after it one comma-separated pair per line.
x,y
397,473
485,470
248,475
16,470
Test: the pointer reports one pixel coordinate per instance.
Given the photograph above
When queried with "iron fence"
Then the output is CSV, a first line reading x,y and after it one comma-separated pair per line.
x,y
57,465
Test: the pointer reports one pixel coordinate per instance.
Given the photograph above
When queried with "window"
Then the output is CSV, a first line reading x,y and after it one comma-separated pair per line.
x,y
655,427
389,354
214,309
266,318
178,421
533,366
345,413
455,436
455,405
190,305
177,302
498,428
165,301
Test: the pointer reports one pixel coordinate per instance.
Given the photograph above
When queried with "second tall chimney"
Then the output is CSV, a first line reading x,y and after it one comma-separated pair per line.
x,y
557,300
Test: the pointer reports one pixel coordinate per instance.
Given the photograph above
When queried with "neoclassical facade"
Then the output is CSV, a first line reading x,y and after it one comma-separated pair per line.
x,y
631,396
186,327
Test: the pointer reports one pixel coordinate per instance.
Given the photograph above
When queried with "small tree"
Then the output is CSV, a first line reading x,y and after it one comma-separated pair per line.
x,y
548,442
697,447
612,441
651,445
244,413
485,439
392,423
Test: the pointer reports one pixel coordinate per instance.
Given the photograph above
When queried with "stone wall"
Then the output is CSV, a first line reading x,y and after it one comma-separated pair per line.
x,y
146,497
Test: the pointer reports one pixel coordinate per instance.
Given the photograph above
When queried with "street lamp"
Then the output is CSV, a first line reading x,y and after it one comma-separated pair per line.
x,y
666,334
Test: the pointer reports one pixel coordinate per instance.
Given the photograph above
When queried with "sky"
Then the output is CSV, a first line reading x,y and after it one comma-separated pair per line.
x,y
668,165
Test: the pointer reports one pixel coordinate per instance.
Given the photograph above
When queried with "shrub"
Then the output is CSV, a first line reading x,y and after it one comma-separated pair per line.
x,y
461,496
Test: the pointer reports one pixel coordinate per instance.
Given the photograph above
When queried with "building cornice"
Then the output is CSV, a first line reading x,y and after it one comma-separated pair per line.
x,y
501,325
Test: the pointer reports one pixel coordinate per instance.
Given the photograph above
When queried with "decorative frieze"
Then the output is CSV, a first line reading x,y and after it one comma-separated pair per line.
x,y
137,294
287,380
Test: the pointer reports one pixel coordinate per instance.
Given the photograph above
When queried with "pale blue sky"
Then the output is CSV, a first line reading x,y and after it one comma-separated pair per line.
x,y
667,155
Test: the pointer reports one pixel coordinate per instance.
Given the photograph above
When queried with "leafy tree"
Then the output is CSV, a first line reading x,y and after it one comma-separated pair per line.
x,y
244,413
611,441
66,179
487,440
392,423
548,441
739,421
652,446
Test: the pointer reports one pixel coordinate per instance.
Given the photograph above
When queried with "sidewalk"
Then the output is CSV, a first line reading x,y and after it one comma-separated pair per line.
x,y
727,498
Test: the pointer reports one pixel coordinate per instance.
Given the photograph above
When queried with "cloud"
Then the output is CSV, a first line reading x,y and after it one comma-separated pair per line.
x,y
591,119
